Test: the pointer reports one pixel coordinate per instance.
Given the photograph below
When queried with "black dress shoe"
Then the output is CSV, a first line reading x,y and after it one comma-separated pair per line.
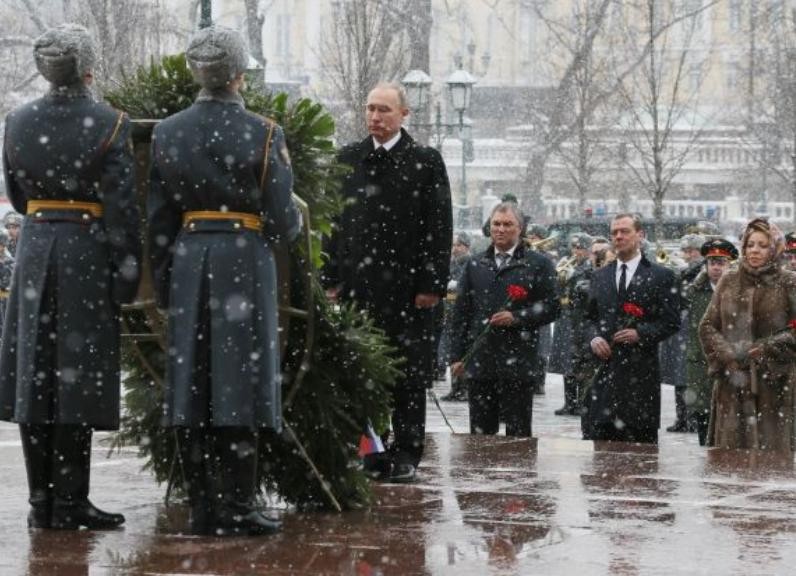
x,y
377,466
403,473
83,514
39,518
234,521
566,410
678,426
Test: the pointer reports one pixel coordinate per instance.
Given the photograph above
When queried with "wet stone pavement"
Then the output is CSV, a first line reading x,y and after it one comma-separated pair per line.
x,y
553,505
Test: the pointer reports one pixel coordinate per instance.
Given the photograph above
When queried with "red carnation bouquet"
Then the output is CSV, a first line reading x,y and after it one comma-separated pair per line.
x,y
515,293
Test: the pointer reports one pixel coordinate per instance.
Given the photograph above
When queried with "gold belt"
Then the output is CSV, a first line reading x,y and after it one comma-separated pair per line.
x,y
4,294
244,219
36,206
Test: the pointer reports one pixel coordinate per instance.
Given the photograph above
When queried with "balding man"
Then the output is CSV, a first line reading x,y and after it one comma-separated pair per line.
x,y
390,253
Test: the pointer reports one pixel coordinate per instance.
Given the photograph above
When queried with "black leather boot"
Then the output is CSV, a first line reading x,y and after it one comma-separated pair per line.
x,y
236,449
570,407
194,456
37,447
71,475
681,410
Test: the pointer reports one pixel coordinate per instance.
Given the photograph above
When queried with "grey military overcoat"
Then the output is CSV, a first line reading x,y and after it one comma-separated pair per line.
x,y
217,281
59,359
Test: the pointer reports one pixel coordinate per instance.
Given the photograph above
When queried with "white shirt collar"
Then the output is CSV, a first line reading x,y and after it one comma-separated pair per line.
x,y
632,266
389,144
510,252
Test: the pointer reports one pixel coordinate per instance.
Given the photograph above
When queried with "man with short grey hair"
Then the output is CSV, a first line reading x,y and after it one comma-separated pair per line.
x,y
505,295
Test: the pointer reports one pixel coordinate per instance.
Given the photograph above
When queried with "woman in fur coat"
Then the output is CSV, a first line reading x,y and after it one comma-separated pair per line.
x,y
749,339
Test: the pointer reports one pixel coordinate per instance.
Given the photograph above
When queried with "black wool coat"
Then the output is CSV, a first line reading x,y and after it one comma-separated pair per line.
x,y
626,389
393,241
217,281
59,359
508,353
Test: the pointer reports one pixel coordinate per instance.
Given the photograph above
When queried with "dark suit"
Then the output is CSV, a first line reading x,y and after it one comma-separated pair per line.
x,y
391,243
623,402
505,364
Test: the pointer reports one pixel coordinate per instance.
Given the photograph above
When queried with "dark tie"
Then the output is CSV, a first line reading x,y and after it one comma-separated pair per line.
x,y
623,284
502,258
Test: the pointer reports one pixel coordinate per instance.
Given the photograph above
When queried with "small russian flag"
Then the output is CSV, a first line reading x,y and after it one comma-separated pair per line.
x,y
370,442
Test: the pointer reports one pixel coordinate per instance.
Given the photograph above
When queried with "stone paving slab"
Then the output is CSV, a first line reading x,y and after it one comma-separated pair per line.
x,y
482,505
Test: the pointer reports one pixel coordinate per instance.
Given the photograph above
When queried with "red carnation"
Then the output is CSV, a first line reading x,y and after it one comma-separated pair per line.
x,y
517,293
633,310
792,324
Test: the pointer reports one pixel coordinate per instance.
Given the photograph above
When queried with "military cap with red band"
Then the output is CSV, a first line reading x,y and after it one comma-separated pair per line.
x,y
790,242
719,248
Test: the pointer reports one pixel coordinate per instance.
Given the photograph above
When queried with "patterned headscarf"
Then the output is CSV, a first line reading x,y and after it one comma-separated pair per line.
x,y
771,230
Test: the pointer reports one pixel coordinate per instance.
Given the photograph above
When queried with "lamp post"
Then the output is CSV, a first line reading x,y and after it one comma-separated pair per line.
x,y
460,88
206,18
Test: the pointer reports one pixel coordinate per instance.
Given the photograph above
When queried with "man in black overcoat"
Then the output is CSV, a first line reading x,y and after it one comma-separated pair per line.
x,y
69,169
219,201
502,366
633,305
390,253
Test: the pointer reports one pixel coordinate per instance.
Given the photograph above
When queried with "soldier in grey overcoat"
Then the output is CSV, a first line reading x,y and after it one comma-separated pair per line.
x,y
69,169
219,200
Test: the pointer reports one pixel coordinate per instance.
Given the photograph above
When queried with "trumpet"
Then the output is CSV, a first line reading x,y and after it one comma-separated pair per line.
x,y
544,243
564,269
663,258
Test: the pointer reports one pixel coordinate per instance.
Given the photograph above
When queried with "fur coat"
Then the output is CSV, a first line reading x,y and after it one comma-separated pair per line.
x,y
752,404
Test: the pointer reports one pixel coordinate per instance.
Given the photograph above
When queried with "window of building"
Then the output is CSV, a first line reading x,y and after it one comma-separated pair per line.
x,y
283,35
735,15
733,75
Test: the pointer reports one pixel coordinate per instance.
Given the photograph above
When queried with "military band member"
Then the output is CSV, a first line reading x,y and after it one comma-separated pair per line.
x,y
6,270
717,254
219,200
790,251
12,222
673,349
69,168
573,308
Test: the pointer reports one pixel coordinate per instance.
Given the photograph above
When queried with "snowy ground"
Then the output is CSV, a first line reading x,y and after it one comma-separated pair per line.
x,y
555,505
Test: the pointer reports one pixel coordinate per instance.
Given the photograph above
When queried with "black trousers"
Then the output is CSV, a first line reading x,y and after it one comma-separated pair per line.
x,y
701,420
409,424
489,399
609,432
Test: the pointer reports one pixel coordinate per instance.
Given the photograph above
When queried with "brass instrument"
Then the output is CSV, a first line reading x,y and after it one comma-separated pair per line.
x,y
565,269
666,260
544,243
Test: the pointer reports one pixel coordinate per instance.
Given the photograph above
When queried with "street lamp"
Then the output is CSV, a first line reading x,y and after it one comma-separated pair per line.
x,y
206,19
460,87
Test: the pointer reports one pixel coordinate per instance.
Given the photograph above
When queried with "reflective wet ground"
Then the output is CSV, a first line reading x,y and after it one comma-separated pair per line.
x,y
552,505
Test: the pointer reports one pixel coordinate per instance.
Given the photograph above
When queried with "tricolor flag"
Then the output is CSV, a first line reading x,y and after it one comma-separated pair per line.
x,y
370,442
